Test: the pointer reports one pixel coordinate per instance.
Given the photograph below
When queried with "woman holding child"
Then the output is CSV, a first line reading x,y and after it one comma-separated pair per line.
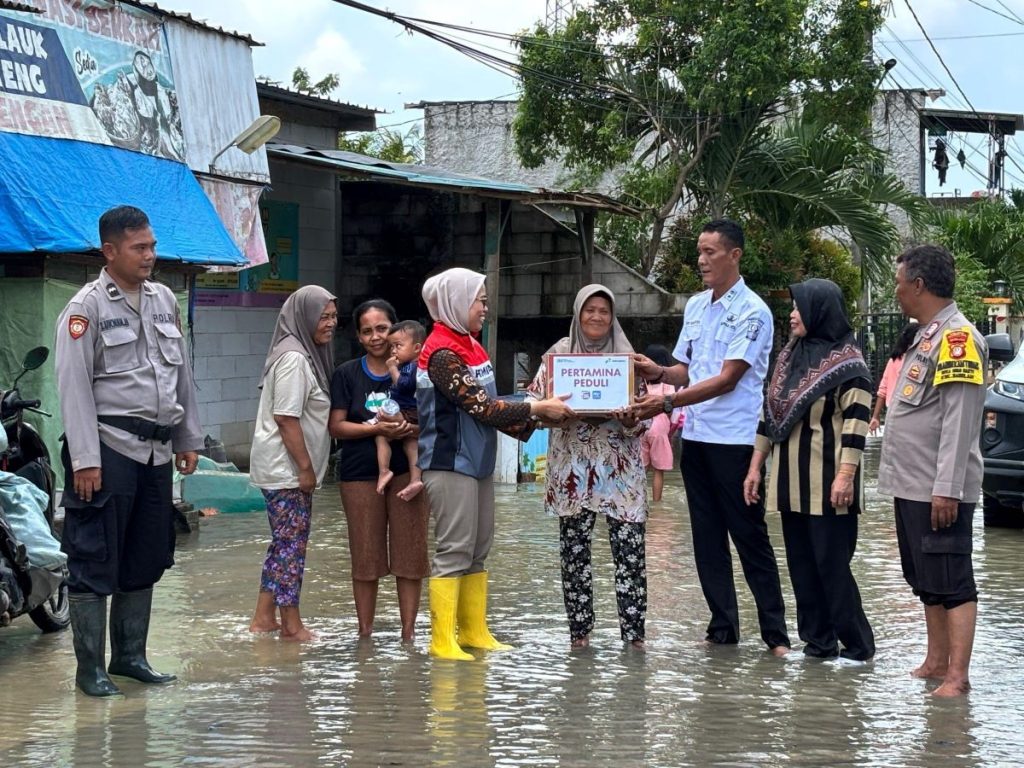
x,y
387,532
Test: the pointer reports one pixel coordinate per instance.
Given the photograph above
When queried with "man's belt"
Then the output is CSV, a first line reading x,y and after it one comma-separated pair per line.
x,y
142,428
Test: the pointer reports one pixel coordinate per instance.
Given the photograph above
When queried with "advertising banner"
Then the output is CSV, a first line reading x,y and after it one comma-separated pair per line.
x,y
266,285
89,70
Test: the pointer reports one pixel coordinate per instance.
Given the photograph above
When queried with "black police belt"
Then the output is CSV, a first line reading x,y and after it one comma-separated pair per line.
x,y
142,428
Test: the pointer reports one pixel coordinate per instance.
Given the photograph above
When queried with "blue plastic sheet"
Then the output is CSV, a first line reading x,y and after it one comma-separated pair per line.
x,y
24,507
53,191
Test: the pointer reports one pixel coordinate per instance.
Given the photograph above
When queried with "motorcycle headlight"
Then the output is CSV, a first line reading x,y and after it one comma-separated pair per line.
x,y
1009,389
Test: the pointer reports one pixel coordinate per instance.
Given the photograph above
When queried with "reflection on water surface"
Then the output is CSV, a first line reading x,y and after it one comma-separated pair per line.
x,y
245,701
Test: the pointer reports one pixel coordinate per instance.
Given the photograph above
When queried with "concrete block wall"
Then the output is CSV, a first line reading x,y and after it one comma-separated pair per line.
x,y
896,128
231,342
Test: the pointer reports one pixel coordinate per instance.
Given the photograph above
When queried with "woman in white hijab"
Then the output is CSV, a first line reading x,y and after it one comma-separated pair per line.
x,y
290,448
459,413
594,465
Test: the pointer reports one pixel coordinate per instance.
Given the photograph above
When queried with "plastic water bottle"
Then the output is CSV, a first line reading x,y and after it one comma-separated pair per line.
x,y
389,407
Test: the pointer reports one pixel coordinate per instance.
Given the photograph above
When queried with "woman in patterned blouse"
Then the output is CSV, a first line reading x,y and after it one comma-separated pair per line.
x,y
815,423
594,466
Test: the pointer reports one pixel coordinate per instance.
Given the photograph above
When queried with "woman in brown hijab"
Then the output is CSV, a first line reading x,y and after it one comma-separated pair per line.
x,y
290,448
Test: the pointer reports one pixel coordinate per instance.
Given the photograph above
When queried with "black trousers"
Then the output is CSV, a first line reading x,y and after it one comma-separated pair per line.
x,y
123,539
713,476
819,550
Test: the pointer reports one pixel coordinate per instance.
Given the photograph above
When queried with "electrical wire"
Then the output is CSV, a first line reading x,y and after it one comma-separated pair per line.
x,y
997,13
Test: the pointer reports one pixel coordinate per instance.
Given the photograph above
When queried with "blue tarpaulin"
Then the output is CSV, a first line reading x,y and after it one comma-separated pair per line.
x,y
53,191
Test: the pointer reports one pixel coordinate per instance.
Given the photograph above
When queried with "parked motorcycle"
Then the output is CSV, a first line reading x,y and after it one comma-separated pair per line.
x,y
39,590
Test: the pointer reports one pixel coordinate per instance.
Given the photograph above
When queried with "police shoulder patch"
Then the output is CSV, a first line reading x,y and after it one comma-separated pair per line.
x,y
959,360
77,326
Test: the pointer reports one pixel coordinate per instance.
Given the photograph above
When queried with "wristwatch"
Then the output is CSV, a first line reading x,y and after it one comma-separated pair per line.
x,y
667,405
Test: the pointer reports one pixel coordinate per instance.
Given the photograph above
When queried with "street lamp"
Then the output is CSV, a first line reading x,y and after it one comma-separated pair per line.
x,y
262,130
1001,289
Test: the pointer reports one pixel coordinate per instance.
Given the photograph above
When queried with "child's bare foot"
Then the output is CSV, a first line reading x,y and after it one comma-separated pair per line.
x,y
409,492
580,642
383,479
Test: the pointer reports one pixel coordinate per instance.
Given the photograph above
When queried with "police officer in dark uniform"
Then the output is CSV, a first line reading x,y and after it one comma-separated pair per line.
x,y
128,402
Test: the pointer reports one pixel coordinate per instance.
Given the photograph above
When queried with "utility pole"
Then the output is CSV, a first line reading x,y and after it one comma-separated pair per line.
x,y
558,12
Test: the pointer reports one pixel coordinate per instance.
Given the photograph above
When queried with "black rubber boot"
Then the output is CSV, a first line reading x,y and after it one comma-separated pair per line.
x,y
89,628
129,627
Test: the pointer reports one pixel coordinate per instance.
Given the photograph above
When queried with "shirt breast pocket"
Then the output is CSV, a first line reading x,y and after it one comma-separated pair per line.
x,y
169,339
910,393
120,349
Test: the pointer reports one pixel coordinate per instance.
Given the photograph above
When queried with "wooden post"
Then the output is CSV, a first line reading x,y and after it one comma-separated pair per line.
x,y
492,265
585,234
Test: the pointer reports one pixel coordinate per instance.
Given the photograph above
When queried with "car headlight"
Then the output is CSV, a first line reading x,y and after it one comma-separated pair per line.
x,y
1009,389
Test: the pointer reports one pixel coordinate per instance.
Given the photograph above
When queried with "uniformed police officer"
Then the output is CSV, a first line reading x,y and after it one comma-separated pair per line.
x,y
724,346
931,460
128,401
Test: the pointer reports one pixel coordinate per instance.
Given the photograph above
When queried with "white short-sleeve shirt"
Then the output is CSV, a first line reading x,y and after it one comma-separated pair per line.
x,y
736,327
289,389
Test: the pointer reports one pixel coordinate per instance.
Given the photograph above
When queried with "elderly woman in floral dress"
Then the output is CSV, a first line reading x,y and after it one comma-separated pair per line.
x,y
594,466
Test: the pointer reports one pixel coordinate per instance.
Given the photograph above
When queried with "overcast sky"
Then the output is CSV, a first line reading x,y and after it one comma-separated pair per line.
x,y
382,66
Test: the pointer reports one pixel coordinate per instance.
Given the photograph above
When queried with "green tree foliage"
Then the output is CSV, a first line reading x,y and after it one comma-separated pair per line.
x,y
325,86
386,144
990,236
772,261
654,84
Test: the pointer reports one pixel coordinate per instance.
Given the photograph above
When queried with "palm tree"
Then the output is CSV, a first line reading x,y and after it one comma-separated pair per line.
x,y
798,176
992,233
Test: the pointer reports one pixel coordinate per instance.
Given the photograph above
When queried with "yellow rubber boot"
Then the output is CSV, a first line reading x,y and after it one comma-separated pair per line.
x,y
444,598
473,630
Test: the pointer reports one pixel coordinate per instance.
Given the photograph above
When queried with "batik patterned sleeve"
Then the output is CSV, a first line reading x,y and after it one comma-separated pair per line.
x,y
855,403
454,381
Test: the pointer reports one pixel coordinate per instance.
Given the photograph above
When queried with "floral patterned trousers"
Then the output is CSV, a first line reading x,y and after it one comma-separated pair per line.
x,y
289,511
628,555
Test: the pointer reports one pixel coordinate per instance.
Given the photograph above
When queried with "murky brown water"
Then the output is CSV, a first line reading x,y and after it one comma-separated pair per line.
x,y
245,701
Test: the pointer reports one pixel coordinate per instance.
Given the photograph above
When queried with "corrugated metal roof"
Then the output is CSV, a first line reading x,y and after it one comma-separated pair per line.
x,y
276,91
442,179
188,18
6,5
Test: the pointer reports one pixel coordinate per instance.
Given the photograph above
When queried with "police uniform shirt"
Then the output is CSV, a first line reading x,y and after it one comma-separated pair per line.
x,y
736,327
115,361
931,442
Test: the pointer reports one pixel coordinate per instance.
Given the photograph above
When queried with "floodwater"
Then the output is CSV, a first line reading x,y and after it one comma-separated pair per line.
x,y
255,701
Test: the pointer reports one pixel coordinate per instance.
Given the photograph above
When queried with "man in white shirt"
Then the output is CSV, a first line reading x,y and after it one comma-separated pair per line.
x,y
723,348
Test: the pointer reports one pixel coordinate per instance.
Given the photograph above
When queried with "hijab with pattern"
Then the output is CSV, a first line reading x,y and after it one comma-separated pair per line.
x,y
296,325
614,342
811,365
450,295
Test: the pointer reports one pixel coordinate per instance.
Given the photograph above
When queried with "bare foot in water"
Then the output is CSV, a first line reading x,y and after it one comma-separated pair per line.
x,y
637,645
779,651
409,492
383,480
261,627
580,642
929,671
951,688
300,635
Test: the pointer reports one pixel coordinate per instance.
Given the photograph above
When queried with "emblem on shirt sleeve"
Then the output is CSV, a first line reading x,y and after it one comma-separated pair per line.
x,y
908,390
77,326
754,328
914,373
959,360
925,346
